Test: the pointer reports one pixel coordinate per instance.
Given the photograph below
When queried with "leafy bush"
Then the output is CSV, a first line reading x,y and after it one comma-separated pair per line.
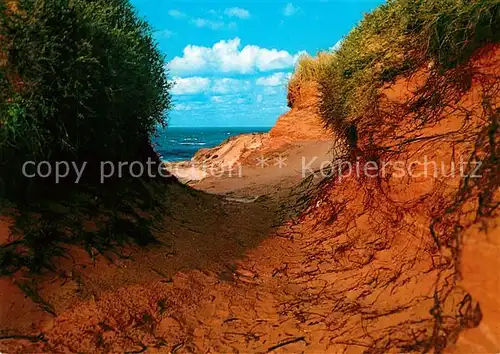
x,y
398,37
79,80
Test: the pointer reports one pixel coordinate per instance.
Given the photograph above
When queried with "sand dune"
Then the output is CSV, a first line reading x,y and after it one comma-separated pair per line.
x,y
307,265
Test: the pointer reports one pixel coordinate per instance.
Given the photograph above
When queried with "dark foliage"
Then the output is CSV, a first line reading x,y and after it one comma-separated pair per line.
x,y
79,81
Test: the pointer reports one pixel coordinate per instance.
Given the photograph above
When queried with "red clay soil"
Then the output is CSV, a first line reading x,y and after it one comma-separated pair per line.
x,y
303,121
301,124
374,265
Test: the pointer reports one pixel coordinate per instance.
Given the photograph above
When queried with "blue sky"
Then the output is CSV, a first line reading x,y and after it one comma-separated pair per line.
x,y
231,60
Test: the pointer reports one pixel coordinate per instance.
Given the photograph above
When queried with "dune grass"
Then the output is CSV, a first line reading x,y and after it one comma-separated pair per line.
x,y
398,37
308,69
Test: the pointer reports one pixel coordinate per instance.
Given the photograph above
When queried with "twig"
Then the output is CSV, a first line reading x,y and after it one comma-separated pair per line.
x,y
38,338
282,344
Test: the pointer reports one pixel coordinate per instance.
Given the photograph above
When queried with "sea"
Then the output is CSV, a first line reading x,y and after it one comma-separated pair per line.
x,y
180,144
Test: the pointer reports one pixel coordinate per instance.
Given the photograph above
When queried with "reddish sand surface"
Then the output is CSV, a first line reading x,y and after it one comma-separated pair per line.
x,y
274,262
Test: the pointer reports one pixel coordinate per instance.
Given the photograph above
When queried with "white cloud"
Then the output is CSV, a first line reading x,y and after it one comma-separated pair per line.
x,y
215,23
219,86
290,10
229,85
271,90
165,34
228,100
259,98
237,12
204,23
177,14
337,45
183,106
227,57
190,85
276,79
217,99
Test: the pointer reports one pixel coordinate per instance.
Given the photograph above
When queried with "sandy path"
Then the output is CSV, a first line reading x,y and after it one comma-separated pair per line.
x,y
239,284
304,288
202,239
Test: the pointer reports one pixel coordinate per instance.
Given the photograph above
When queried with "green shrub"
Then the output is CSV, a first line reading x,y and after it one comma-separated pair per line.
x,y
80,80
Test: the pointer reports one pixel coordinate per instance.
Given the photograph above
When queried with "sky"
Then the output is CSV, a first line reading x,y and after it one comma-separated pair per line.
x,y
230,60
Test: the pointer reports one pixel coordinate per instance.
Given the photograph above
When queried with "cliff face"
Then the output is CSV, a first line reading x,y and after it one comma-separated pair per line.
x,y
301,125
303,121
415,252
403,261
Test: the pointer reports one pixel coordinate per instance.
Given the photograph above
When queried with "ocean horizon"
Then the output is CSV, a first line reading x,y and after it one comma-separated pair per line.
x,y
182,143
